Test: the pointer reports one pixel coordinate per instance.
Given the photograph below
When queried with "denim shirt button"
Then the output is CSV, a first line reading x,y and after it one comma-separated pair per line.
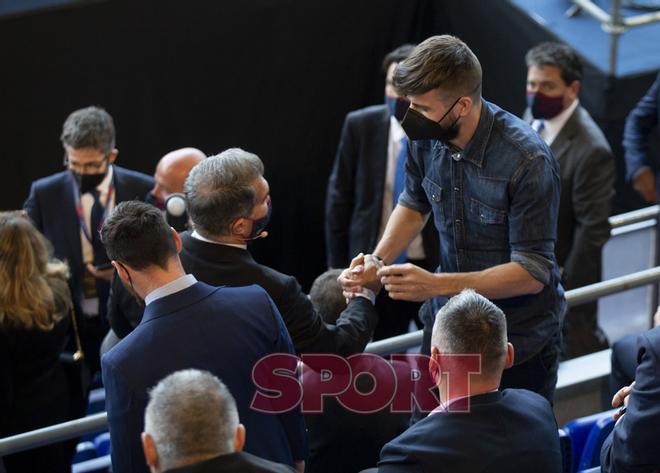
x,y
457,189
458,221
457,156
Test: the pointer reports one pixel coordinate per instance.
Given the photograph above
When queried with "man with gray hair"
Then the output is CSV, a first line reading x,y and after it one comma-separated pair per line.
x,y
476,427
191,424
228,201
69,208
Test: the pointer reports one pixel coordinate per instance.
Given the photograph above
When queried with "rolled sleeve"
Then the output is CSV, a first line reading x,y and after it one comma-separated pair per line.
x,y
533,217
539,266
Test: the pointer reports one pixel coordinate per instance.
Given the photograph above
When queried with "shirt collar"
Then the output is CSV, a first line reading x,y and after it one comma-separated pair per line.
x,y
179,284
459,406
104,186
396,130
476,148
553,126
197,236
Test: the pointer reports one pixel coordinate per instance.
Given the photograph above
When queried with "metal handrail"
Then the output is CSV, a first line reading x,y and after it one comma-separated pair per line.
x,y
53,434
628,218
574,297
75,428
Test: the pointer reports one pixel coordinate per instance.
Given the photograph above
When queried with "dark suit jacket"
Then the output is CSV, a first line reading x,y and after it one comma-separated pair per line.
x,y
641,121
51,206
239,462
221,330
354,201
633,444
587,173
512,430
225,265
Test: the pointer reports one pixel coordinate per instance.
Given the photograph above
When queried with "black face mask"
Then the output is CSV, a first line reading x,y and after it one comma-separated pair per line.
x,y
418,127
88,182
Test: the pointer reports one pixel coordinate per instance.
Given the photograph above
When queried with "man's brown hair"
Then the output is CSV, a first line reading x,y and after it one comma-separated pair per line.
x,y
443,62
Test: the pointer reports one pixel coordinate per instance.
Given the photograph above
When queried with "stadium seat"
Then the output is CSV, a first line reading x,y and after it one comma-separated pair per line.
x,y
84,451
95,465
579,430
591,452
102,443
566,447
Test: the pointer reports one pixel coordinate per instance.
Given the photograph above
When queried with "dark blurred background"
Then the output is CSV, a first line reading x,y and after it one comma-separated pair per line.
x,y
275,77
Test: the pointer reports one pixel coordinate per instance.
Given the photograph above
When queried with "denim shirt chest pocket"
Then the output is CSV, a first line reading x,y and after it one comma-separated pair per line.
x,y
434,195
487,225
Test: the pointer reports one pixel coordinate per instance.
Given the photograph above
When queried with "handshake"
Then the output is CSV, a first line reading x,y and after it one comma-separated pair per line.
x,y
402,281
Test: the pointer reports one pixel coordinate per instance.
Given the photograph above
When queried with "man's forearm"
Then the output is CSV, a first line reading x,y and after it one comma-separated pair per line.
x,y
499,282
402,227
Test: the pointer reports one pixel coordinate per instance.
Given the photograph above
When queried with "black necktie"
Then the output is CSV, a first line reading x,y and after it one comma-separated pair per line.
x,y
96,220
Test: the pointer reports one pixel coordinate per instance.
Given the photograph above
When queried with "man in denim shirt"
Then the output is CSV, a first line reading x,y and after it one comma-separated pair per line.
x,y
493,187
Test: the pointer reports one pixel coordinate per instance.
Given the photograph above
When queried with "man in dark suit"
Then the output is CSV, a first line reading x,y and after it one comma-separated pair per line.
x,y
476,427
188,324
228,201
366,180
642,165
69,207
191,425
341,440
633,444
587,172
170,175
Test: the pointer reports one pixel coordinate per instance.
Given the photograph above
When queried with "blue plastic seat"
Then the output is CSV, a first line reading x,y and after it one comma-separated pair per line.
x,y
102,443
579,430
95,465
590,457
84,451
566,447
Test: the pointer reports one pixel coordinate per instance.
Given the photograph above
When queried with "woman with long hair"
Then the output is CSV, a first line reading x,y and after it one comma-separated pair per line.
x,y
35,303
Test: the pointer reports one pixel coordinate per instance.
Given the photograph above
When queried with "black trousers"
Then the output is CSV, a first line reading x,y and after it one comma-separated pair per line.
x,y
539,373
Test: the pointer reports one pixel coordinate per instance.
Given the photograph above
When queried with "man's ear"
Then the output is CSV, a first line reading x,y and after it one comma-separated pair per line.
x,y
121,271
466,106
177,240
510,356
435,370
239,438
150,452
239,227
574,88
113,155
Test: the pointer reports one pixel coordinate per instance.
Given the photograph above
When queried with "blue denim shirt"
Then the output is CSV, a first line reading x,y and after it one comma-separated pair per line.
x,y
493,203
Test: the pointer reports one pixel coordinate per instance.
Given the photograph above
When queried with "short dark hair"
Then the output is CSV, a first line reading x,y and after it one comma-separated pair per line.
x,y
397,55
219,190
439,62
90,127
559,55
136,234
326,296
471,324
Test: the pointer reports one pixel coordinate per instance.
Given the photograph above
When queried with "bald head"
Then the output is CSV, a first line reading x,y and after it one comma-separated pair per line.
x,y
172,170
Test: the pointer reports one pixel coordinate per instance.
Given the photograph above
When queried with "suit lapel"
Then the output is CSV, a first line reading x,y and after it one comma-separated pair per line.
x,y
71,224
379,169
562,142
177,301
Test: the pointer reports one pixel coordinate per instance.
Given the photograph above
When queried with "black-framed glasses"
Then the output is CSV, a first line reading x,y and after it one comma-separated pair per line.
x,y
91,167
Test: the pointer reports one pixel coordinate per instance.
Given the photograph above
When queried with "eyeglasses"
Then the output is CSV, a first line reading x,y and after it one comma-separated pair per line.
x,y
84,167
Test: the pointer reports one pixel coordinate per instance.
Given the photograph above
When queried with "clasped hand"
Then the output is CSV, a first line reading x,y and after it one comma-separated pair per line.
x,y
402,281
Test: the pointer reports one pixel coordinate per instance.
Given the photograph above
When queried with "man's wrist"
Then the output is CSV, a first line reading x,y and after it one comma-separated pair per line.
x,y
367,294
377,260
